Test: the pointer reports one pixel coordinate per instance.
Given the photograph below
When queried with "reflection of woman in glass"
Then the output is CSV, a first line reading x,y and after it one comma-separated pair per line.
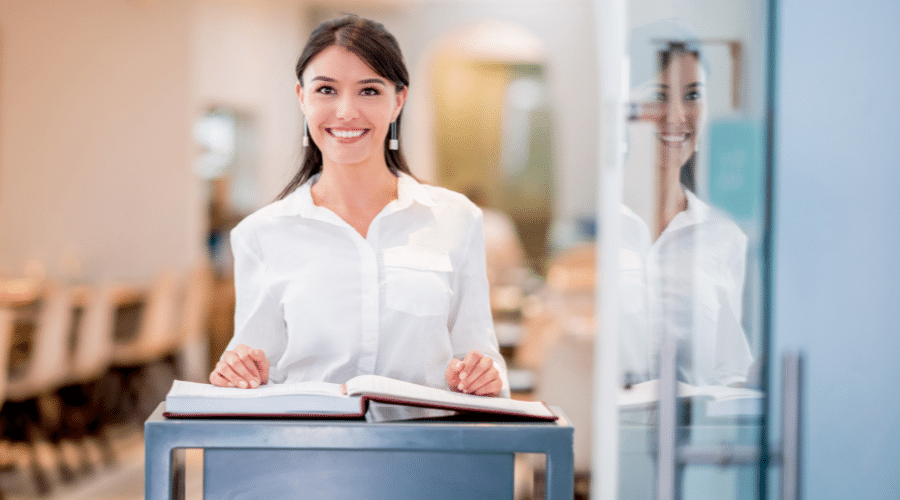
x,y
683,276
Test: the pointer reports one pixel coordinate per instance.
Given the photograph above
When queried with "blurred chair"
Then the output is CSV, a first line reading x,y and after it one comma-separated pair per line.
x,y
31,410
7,325
85,397
146,340
564,303
193,361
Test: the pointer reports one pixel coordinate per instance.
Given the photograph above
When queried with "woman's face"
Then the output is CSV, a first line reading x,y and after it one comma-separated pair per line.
x,y
348,107
681,109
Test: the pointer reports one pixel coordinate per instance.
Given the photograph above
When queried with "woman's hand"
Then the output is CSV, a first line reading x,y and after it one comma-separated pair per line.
x,y
474,374
242,367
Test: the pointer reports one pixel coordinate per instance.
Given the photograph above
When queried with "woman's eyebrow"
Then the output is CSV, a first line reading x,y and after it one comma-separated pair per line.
x,y
366,81
694,85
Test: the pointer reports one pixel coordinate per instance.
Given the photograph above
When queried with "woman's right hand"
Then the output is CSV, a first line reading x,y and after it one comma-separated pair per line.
x,y
242,367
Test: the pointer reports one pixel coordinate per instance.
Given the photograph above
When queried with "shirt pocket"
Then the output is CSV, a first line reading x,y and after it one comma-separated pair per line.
x,y
417,280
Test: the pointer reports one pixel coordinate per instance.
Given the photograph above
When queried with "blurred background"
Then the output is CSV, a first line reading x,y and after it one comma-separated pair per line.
x,y
134,134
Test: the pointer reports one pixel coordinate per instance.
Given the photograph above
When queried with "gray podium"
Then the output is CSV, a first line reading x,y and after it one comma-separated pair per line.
x,y
319,459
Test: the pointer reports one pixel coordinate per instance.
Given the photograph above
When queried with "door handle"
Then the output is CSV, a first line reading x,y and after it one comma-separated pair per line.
x,y
671,454
791,410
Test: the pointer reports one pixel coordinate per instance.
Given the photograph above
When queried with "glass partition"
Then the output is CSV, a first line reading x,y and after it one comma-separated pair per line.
x,y
689,247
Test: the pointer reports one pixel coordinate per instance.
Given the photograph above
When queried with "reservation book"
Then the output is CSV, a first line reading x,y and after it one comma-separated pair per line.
x,y
327,400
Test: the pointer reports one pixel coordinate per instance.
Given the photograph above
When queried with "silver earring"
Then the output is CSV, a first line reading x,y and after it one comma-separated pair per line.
x,y
394,144
305,133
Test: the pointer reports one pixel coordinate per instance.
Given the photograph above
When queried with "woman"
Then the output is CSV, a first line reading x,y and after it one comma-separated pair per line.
x,y
683,275
357,268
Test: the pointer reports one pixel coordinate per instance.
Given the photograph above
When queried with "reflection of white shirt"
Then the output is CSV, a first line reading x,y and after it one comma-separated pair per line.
x,y
326,304
689,283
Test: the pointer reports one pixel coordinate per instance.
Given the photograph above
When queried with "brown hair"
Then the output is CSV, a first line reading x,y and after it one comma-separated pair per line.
x,y
372,43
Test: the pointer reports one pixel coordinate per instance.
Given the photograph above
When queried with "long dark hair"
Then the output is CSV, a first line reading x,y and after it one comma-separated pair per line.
x,y
372,43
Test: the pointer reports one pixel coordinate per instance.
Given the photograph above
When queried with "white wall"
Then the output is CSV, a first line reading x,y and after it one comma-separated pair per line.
x,y
837,238
94,136
244,58
566,30
97,101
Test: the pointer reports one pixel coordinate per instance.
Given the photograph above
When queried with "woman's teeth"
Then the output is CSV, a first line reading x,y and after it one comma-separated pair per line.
x,y
674,138
347,134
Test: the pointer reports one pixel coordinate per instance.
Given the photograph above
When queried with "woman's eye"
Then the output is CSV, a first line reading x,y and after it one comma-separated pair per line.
x,y
660,97
693,95
369,91
325,89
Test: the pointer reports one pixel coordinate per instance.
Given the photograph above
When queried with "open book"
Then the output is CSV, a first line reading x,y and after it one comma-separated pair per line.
x,y
326,400
721,401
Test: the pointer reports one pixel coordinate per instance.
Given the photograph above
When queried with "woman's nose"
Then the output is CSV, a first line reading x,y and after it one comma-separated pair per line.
x,y
675,111
346,108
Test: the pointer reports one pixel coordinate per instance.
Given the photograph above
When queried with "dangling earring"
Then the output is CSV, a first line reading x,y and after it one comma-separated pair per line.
x,y
394,144
305,133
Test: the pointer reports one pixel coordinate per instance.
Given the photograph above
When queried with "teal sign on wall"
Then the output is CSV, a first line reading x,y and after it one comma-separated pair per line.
x,y
735,167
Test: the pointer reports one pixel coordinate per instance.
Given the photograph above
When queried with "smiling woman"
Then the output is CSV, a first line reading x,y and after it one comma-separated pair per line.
x,y
358,268
348,109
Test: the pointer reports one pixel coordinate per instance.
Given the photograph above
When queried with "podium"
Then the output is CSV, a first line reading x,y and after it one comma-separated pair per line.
x,y
355,459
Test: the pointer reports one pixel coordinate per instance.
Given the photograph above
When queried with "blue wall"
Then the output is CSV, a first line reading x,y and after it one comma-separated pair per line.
x,y
837,237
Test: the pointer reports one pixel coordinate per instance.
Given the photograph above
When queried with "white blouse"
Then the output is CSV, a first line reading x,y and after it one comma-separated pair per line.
x,y
326,304
689,283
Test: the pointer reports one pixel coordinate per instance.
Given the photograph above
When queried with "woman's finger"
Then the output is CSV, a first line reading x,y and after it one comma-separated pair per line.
x,y
244,376
249,359
227,374
468,364
491,388
484,374
262,363
481,365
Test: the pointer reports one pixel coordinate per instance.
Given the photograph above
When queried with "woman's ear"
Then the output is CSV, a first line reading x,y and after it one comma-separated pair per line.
x,y
401,98
299,90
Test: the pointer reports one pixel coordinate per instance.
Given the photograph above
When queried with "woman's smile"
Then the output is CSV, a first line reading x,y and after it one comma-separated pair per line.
x,y
675,139
347,133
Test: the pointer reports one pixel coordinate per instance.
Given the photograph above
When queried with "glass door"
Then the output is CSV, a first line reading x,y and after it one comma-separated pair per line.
x,y
683,250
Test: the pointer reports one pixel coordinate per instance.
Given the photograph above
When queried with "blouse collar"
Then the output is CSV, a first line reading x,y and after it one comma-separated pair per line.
x,y
300,202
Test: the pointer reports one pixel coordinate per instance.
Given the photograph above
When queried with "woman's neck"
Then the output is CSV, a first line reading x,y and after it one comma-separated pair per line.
x,y
355,193
672,200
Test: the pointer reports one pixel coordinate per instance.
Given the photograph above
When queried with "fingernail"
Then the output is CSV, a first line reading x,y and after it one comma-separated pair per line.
x,y
254,384
242,384
463,375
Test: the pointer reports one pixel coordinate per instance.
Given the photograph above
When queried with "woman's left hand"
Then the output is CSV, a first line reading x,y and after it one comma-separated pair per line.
x,y
474,374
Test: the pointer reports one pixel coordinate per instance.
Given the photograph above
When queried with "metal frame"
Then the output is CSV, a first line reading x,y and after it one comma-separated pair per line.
x,y
164,438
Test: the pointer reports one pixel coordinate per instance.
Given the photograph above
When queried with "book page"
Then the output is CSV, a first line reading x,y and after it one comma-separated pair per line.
x,y
646,394
374,385
197,390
